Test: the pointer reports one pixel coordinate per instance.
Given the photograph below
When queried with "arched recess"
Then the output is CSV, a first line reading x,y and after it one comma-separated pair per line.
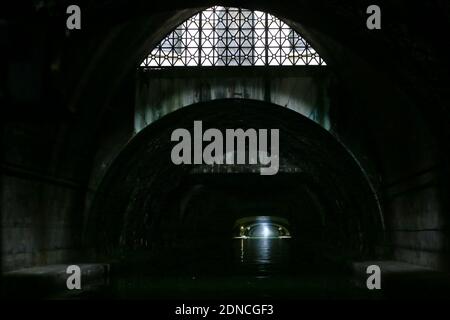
x,y
385,122
139,204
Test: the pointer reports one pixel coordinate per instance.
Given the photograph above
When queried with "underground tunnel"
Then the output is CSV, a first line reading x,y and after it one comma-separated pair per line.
x,y
319,188
362,172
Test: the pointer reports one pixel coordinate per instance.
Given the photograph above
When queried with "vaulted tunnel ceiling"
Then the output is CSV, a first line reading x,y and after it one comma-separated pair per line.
x,y
75,109
142,190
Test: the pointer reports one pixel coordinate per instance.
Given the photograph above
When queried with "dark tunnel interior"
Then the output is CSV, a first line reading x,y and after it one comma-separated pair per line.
x,y
147,206
88,176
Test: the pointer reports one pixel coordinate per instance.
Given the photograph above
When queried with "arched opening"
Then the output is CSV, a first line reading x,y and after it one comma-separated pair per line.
x,y
180,216
262,243
261,227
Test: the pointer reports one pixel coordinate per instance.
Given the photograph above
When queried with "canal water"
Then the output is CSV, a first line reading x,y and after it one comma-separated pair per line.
x,y
253,268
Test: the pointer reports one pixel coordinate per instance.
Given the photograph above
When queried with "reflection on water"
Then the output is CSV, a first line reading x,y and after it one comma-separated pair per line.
x,y
258,268
262,256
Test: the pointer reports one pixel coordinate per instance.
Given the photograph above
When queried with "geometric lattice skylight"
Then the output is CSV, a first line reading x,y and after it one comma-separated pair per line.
x,y
223,36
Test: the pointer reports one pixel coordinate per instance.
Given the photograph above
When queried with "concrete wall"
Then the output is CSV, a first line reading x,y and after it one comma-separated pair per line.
x,y
160,93
40,208
418,219
48,180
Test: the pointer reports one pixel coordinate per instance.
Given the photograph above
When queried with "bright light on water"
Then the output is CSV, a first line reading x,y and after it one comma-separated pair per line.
x,y
266,232
265,229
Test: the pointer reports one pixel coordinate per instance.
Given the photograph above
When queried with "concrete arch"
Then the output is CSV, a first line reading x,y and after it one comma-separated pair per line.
x,y
138,204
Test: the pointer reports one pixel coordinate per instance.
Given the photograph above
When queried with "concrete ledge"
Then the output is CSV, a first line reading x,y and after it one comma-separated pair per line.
x,y
405,280
50,281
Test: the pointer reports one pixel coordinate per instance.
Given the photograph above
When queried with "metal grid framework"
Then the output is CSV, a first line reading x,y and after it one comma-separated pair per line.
x,y
222,36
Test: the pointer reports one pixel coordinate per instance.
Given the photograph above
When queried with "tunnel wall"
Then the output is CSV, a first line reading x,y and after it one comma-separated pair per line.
x,y
417,219
40,208
302,89
393,139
